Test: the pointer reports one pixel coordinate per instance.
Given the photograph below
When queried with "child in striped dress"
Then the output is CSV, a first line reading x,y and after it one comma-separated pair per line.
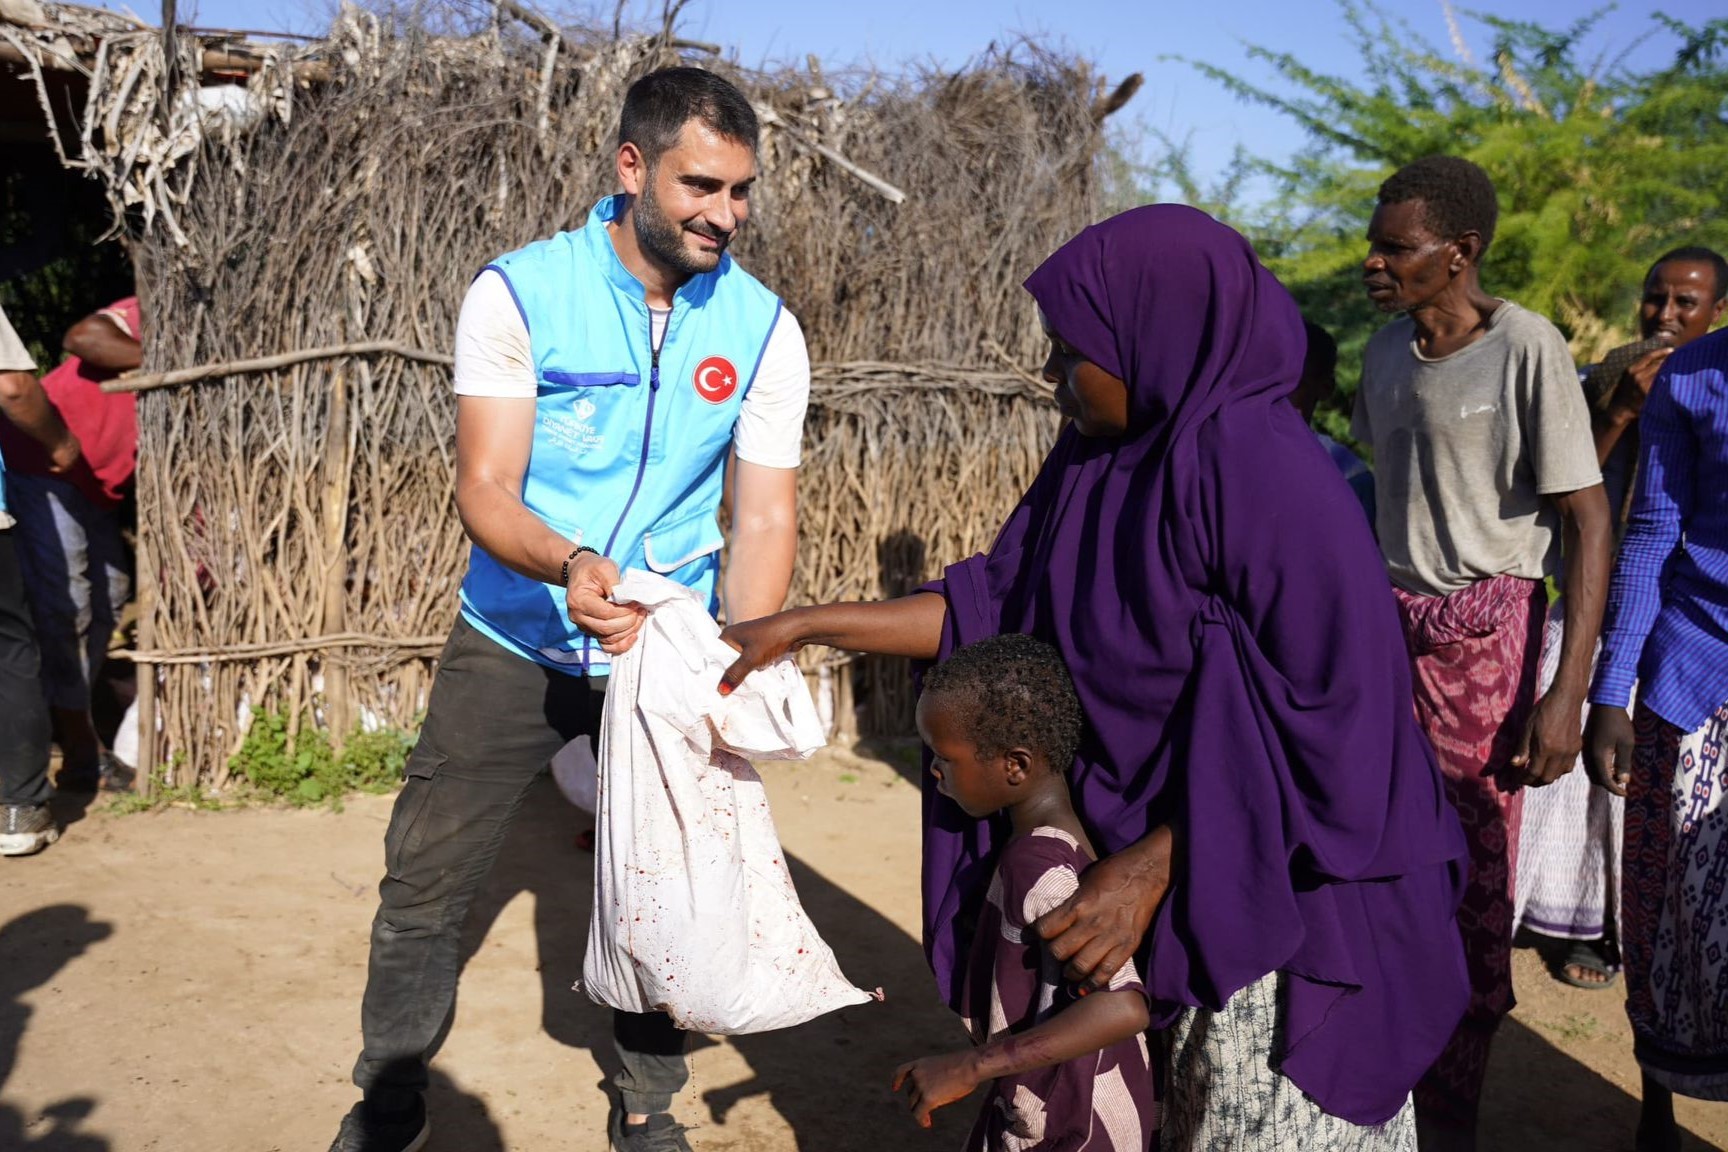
x,y
1067,1072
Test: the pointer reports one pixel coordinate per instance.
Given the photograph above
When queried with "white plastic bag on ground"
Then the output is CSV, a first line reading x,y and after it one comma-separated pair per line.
x,y
125,747
577,775
694,910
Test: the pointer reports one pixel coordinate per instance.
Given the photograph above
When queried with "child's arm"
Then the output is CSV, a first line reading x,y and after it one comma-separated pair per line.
x,y
1090,1025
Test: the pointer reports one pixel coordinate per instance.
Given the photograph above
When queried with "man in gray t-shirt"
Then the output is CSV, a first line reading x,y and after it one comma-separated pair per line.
x,y
1470,446
1485,482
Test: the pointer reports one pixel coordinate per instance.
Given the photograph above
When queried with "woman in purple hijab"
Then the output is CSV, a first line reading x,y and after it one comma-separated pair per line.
x,y
1280,854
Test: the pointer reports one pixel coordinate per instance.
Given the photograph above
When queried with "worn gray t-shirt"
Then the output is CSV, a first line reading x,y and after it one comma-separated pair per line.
x,y
1466,447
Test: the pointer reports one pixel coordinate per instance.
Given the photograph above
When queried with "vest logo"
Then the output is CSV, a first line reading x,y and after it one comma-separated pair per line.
x,y
583,408
716,380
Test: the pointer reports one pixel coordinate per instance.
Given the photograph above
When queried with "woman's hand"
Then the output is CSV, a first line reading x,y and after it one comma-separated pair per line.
x,y
935,1081
1608,744
1100,927
760,643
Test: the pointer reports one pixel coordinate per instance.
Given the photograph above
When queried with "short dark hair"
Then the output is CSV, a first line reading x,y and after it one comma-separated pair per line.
x,y
1456,196
1695,253
1322,348
659,105
1014,691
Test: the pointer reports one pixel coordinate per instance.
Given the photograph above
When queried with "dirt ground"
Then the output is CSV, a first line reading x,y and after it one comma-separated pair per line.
x,y
190,982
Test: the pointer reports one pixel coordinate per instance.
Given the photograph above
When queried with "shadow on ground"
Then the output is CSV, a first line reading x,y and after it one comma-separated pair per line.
x,y
1538,1097
33,949
828,1079
461,1122
830,1091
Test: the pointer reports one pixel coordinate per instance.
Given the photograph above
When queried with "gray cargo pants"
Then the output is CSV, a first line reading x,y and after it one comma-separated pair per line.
x,y
492,724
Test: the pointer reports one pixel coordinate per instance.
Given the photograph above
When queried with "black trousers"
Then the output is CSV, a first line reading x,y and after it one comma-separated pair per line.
x,y
24,729
493,722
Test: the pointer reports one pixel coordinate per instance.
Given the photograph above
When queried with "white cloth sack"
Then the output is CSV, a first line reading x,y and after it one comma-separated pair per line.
x,y
694,910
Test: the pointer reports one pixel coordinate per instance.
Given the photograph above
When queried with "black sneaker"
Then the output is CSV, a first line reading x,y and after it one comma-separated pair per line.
x,y
117,775
364,1131
660,1133
26,829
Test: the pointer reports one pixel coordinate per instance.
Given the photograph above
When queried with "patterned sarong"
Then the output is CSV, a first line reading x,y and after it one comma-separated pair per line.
x,y
1675,905
1569,848
1475,656
1226,1091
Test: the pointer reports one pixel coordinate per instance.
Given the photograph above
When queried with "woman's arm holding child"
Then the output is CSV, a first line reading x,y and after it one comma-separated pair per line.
x,y
1090,1025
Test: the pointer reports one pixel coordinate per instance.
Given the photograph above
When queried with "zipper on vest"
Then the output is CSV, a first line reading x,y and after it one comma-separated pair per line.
x,y
647,444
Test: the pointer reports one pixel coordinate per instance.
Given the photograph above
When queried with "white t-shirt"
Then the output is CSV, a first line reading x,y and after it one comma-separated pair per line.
x,y
14,357
494,358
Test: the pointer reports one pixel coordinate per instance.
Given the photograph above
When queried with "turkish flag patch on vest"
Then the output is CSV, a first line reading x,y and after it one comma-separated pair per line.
x,y
715,380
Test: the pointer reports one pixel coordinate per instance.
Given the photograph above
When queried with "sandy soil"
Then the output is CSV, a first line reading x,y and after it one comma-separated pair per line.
x,y
190,982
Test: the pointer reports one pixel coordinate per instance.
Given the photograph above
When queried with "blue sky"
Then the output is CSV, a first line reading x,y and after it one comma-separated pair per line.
x,y
1122,36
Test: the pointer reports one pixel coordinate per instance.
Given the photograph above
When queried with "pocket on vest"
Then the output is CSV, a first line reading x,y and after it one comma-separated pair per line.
x,y
670,546
554,378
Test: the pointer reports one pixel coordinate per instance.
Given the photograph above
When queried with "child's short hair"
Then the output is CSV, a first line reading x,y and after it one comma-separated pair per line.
x,y
1014,691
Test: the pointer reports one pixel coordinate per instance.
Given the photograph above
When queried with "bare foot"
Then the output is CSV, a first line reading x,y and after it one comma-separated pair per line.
x,y
1589,964
1584,974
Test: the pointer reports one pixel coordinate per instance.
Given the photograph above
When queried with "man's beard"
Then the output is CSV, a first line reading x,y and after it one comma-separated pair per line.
x,y
662,239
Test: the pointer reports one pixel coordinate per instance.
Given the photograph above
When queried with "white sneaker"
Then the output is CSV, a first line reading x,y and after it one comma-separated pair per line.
x,y
26,829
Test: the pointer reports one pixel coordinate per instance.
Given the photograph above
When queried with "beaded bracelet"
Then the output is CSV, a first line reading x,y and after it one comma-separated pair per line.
x,y
564,572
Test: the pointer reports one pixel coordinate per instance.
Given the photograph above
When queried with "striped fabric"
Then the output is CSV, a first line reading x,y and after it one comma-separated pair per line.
x,y
1667,624
1100,1102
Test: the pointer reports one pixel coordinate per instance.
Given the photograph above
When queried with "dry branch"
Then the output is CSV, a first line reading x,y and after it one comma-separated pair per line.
x,y
427,645
892,194
222,59
259,364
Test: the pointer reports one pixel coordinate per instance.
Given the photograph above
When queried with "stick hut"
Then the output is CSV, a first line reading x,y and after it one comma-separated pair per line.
x,y
318,208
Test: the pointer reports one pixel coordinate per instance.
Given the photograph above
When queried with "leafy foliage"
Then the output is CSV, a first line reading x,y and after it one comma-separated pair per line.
x,y
55,264
303,769
1599,168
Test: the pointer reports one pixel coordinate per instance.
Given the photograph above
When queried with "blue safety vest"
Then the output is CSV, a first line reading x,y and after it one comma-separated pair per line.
x,y
630,444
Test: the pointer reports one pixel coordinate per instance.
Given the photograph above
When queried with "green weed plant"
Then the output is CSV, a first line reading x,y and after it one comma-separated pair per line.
x,y
306,770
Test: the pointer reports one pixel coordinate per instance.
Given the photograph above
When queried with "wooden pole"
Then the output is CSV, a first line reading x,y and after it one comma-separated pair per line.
x,y
337,707
147,577
170,68
230,58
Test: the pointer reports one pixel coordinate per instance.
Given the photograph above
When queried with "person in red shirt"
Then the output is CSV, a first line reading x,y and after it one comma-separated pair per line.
x,y
77,572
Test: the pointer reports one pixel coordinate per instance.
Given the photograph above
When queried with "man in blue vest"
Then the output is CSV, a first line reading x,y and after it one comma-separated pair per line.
x,y
604,379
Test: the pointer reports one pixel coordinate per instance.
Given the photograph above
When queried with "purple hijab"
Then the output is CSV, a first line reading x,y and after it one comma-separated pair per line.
x,y
1228,622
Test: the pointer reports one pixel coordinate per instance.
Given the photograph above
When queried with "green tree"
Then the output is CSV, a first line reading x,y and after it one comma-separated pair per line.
x,y
1599,167
58,258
